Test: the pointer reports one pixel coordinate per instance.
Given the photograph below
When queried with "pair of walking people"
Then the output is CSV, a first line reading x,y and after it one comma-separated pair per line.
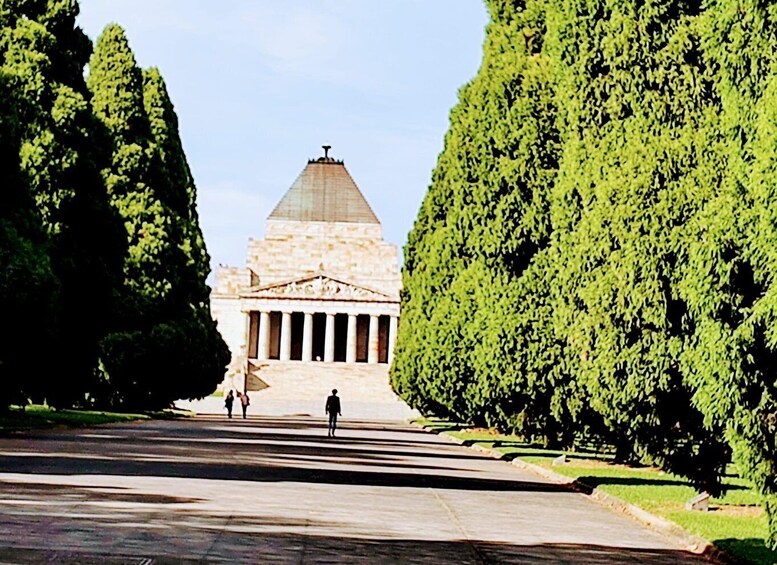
x,y
230,400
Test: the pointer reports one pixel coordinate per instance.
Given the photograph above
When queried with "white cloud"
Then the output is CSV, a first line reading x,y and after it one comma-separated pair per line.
x,y
305,40
293,38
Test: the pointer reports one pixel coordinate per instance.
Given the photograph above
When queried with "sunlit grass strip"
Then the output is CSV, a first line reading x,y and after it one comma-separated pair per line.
x,y
736,523
36,416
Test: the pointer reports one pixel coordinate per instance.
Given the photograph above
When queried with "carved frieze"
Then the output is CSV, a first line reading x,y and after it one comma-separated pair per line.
x,y
319,287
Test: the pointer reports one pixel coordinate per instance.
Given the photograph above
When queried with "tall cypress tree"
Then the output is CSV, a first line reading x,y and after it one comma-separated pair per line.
x,y
165,345
181,192
29,291
729,281
43,54
638,100
204,354
483,220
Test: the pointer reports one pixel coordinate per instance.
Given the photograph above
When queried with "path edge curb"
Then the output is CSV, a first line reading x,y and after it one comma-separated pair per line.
x,y
692,543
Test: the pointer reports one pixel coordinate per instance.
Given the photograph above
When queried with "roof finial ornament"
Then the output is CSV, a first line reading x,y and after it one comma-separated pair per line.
x,y
326,151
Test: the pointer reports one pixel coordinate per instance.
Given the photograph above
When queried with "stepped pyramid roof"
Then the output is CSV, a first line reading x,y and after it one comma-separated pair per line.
x,y
324,192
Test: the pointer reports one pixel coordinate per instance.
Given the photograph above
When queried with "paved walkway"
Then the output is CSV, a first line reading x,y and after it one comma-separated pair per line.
x,y
276,490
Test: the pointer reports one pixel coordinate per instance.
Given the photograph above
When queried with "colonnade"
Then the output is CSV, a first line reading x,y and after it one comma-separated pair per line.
x,y
284,350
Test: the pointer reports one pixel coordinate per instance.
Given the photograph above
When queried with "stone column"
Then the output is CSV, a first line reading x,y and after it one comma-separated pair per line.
x,y
246,346
264,336
329,339
350,349
307,338
392,337
286,336
253,329
372,344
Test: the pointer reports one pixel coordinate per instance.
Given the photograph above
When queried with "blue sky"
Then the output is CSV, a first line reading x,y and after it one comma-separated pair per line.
x,y
260,85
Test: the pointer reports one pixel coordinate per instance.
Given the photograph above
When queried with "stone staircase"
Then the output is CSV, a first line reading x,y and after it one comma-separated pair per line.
x,y
292,387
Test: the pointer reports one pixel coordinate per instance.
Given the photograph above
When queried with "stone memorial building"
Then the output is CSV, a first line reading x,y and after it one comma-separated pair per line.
x,y
317,303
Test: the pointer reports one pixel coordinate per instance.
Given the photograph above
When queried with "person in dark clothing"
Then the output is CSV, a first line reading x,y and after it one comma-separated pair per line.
x,y
244,402
333,409
228,401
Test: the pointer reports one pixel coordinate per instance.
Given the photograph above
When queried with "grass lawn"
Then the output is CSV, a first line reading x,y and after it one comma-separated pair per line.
x,y
735,523
36,416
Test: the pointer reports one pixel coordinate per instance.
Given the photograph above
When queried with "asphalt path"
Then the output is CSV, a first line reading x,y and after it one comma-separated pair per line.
x,y
277,490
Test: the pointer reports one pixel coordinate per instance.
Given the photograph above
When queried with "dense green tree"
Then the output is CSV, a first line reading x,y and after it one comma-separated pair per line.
x,y
597,246
205,354
637,100
729,281
29,291
43,54
484,219
182,196
134,179
165,345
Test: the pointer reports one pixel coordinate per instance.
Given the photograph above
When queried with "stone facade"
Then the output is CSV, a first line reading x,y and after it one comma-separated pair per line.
x,y
321,289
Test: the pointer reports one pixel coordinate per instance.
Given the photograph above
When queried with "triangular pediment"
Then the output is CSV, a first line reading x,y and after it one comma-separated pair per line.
x,y
317,287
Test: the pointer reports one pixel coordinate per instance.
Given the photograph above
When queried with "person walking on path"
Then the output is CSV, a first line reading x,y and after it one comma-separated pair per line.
x,y
333,409
228,401
244,403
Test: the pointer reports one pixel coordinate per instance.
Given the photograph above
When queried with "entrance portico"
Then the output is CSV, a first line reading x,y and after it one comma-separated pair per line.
x,y
320,319
367,342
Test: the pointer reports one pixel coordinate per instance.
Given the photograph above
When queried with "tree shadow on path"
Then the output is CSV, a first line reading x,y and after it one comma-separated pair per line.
x,y
61,464
195,450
